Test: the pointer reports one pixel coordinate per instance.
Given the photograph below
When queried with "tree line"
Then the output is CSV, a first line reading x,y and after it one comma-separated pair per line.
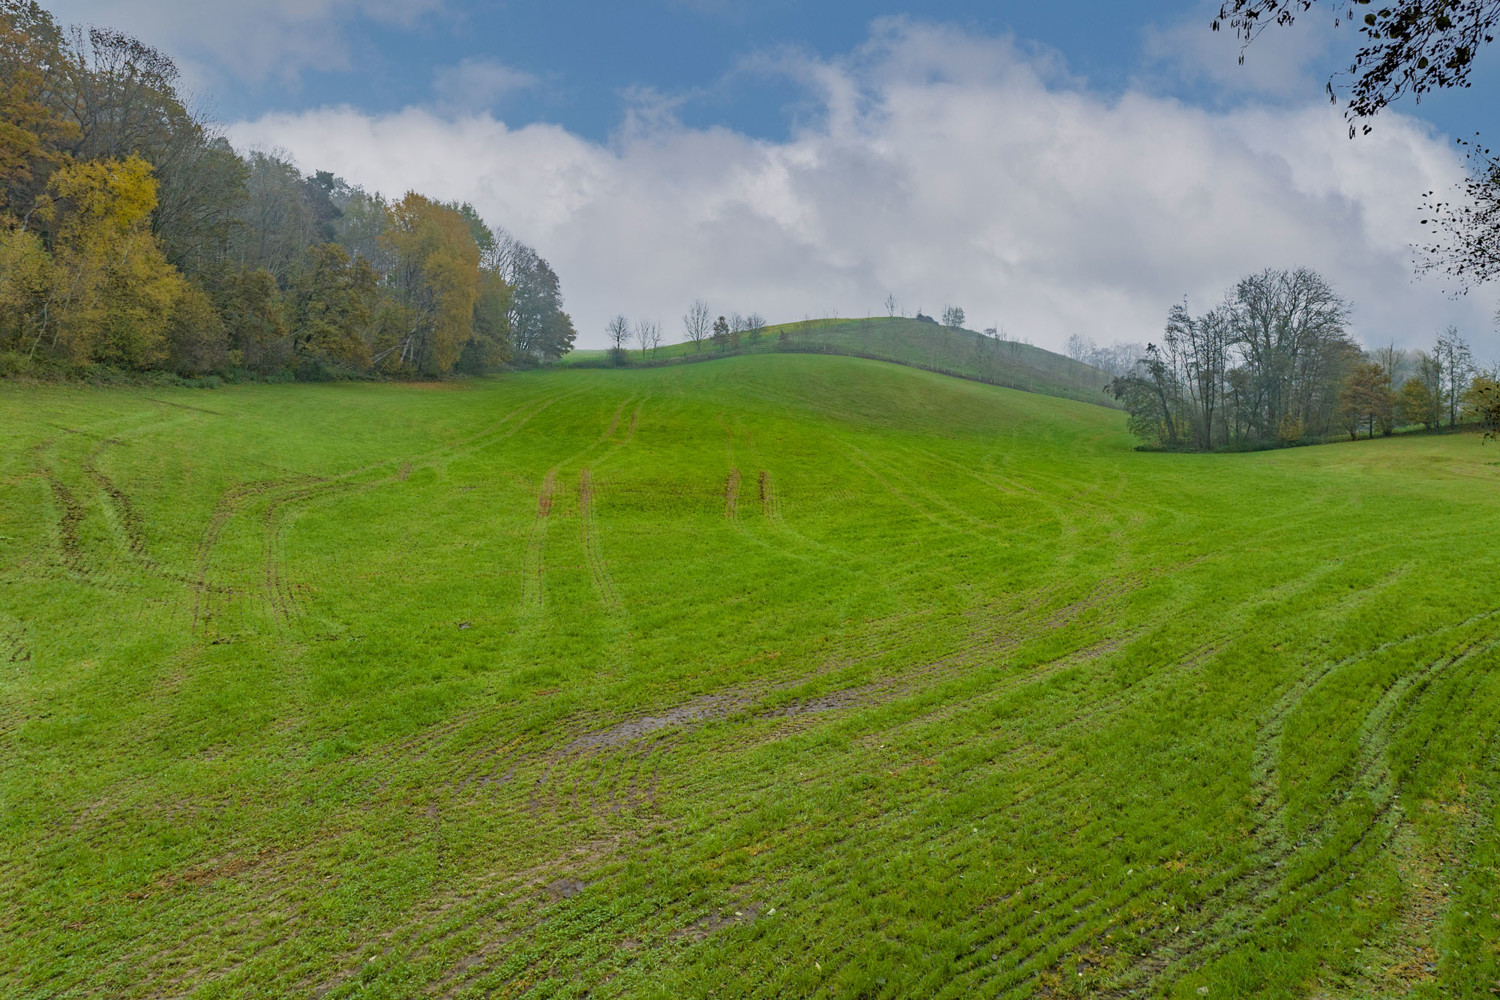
x,y
133,235
1274,364
1116,359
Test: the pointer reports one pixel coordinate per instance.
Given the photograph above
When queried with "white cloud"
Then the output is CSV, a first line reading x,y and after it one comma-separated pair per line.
x,y
1286,64
477,84
249,39
943,168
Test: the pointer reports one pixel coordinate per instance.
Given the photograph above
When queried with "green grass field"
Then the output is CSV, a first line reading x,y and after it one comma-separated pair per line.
x,y
962,353
784,675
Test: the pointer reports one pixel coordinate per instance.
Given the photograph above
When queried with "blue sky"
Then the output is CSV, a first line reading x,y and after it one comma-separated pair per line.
x,y
586,58
588,55
1055,167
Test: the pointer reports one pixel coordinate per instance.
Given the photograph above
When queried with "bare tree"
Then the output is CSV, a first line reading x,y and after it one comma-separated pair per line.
x,y
1393,360
1201,345
1452,352
1081,348
755,325
890,306
1421,397
1272,361
697,324
655,338
618,332
953,317
1290,326
645,332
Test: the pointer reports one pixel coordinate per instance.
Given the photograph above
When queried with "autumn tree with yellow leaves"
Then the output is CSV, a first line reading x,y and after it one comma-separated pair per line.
x,y
133,235
435,283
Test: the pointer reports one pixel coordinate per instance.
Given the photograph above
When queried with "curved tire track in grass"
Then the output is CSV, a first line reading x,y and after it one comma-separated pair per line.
x,y
280,592
69,517
230,504
129,519
1278,882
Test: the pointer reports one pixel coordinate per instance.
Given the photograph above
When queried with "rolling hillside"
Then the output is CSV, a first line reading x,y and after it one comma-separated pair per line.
x,y
785,675
962,353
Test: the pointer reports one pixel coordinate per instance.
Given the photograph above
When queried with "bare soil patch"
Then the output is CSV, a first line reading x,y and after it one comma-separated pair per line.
x,y
732,495
69,517
129,518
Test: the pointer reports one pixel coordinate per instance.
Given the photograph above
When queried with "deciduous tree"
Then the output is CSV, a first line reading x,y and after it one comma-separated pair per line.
x,y
252,310
489,347
1152,395
1456,362
113,292
618,332
33,137
436,280
647,334
755,325
1420,400
333,306
1366,400
696,324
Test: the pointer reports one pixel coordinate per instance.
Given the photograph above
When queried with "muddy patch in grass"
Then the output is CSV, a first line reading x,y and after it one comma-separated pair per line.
x,y
702,709
565,888
717,920
732,495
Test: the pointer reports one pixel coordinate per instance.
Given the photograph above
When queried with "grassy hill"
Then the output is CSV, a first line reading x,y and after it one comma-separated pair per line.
x,y
786,675
962,353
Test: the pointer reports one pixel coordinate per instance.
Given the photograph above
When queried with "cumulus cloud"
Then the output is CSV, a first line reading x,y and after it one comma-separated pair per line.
x,y
250,39
942,168
1292,62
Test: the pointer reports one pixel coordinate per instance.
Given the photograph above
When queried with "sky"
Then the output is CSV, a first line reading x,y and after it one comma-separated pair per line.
x,y
1054,169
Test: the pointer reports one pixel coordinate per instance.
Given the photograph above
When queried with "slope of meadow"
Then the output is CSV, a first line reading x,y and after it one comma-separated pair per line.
x,y
963,353
781,676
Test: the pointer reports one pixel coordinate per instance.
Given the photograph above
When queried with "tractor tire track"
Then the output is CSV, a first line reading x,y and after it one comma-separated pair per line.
x,y
126,515
604,586
1273,883
230,504
69,517
280,593
770,502
533,593
614,420
732,495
